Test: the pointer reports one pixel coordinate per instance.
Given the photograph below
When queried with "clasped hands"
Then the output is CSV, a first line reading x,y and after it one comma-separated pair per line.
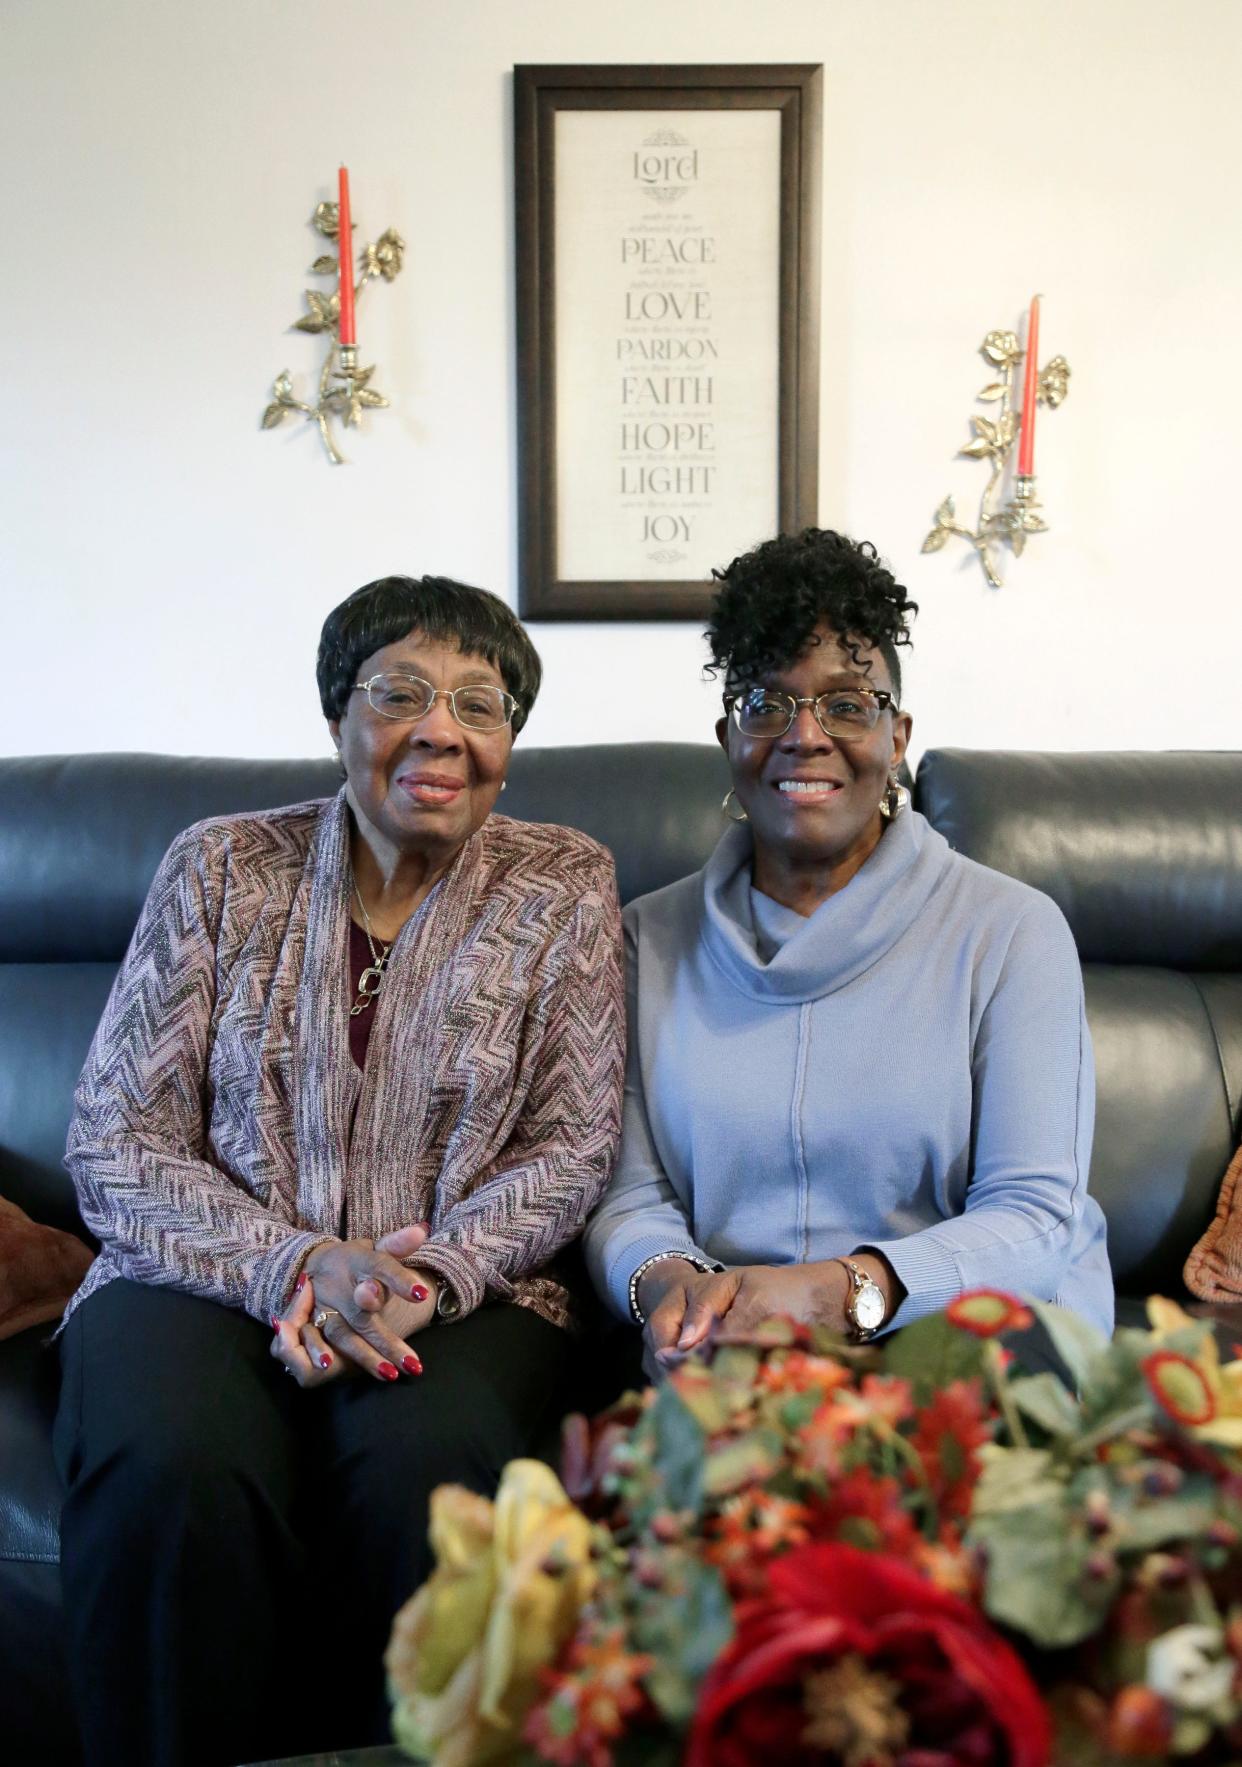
x,y
373,1306
682,1304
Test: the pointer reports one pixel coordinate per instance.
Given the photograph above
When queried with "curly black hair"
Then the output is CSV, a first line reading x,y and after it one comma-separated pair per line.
x,y
477,622
771,599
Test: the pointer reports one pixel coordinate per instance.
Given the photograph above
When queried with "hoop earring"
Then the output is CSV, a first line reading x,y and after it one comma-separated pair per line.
x,y
894,800
726,810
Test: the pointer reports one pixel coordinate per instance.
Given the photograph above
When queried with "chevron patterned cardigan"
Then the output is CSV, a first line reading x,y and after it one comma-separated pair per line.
x,y
221,1129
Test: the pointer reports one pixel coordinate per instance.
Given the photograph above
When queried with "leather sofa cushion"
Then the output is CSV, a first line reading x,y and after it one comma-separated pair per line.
x,y
48,1014
29,1484
1142,852
1164,1126
81,835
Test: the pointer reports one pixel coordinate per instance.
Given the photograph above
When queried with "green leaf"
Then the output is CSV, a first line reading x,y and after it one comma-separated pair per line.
x,y
1015,1479
931,1353
678,1443
1037,1579
684,1627
1149,1525
1078,1344
699,1394
1045,1400
746,1460
1114,1384
733,1375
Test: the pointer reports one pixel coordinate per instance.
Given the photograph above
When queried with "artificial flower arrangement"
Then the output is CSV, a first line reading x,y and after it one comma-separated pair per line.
x,y
908,1554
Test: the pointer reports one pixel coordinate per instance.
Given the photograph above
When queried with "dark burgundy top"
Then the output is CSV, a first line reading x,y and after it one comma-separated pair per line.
x,y
359,1026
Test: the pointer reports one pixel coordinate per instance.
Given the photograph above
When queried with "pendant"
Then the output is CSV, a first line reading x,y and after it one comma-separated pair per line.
x,y
368,985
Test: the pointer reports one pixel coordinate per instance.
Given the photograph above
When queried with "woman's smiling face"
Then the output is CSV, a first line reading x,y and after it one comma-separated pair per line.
x,y
813,799
428,785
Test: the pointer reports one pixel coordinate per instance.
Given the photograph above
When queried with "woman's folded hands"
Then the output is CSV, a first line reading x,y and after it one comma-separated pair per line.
x,y
683,1304
354,1307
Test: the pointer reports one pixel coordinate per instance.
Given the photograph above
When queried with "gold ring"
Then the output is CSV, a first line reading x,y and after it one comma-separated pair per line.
x,y
323,1315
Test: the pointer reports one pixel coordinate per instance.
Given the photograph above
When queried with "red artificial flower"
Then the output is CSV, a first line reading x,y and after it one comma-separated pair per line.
x,y
987,1312
947,1564
798,1372
950,1430
868,1511
821,1440
590,1699
888,1397
855,1658
748,1530
1180,1387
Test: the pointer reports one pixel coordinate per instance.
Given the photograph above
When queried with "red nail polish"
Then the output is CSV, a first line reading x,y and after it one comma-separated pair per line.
x,y
418,1292
325,1361
411,1364
387,1370
300,1284
275,1322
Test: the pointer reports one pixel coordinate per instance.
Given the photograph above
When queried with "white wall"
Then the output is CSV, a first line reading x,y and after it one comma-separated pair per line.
x,y
168,564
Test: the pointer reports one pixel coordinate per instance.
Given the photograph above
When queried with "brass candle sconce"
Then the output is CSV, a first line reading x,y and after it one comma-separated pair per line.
x,y
1013,522
344,388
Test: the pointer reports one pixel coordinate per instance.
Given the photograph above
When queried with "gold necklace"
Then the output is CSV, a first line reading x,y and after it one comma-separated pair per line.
x,y
371,978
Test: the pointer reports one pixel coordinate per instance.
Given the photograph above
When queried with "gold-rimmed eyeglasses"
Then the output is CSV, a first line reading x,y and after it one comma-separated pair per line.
x,y
846,712
407,698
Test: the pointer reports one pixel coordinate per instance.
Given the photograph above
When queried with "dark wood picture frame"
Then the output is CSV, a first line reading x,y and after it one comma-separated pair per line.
x,y
539,92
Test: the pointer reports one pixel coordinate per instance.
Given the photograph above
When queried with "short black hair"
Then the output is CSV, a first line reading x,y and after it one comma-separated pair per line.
x,y
380,613
771,599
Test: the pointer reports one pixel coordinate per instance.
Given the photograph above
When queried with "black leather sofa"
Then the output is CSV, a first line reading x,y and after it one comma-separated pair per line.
x,y
1142,851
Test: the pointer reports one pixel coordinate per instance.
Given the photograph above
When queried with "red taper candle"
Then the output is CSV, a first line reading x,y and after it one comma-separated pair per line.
x,y
1030,394
345,255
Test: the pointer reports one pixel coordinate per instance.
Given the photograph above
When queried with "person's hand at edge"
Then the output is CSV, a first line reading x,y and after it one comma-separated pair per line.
x,y
681,1304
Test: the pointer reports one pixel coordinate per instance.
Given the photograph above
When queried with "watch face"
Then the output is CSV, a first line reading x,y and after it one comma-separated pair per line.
x,y
869,1307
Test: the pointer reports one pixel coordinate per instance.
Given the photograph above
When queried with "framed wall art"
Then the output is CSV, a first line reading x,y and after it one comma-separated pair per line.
x,y
668,328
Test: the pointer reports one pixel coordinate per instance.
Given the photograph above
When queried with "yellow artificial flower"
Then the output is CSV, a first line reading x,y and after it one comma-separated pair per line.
x,y
1223,1384
510,1582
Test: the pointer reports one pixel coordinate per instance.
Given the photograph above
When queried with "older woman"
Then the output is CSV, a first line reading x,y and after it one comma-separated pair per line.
x,y
860,1078
357,1083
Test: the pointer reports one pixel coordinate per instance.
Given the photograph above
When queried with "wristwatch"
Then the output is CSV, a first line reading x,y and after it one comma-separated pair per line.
x,y
865,1306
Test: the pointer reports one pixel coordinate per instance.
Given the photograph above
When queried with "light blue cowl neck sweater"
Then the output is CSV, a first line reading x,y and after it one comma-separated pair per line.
x,y
910,1071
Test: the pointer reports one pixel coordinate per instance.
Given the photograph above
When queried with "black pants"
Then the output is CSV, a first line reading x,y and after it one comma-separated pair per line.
x,y
233,1549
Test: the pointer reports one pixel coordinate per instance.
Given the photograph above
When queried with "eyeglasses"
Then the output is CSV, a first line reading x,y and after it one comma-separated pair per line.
x,y
846,712
407,698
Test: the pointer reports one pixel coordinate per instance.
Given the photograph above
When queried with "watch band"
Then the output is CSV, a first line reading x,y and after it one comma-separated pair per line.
x,y
859,1280
700,1264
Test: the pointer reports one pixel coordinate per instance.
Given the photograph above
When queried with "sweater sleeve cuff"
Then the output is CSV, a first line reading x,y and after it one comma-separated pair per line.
x,y
927,1271
636,1252
275,1272
463,1273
